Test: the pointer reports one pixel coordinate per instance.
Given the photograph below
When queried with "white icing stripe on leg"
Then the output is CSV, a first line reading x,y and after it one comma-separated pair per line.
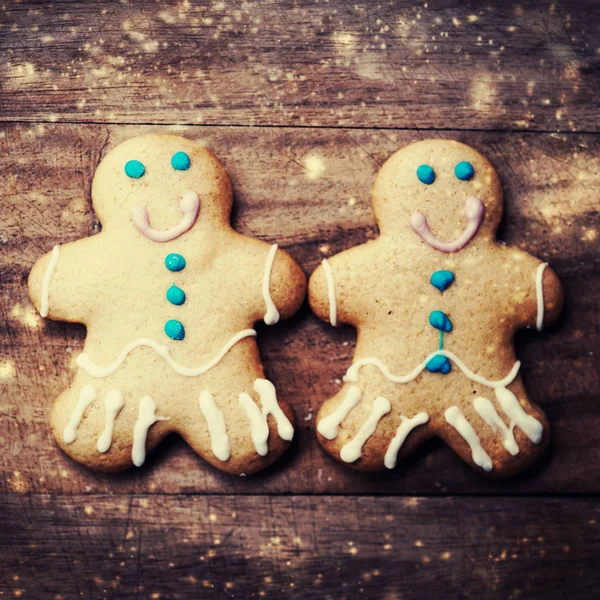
x,y
45,299
488,413
272,314
529,425
113,403
146,418
539,292
329,426
353,449
352,372
86,397
219,440
330,292
268,398
259,429
91,368
480,457
407,425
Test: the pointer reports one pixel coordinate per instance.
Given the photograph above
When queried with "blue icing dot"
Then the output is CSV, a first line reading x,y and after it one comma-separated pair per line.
x,y
180,161
175,262
464,170
426,174
442,280
174,329
439,364
439,320
175,295
134,169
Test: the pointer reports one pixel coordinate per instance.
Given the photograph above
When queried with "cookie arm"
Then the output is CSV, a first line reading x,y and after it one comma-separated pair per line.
x,y
286,285
549,296
57,283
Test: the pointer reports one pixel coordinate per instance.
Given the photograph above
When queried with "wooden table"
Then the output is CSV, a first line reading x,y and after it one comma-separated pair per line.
x,y
303,101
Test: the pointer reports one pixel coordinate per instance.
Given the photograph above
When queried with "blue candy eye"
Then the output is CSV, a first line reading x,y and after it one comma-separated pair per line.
x,y
134,169
464,170
180,161
426,174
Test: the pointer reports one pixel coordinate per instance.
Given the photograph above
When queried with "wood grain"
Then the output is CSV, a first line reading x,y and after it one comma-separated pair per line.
x,y
298,547
396,64
309,191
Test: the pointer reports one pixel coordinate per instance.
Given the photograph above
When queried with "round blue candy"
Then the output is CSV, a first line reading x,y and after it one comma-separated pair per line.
x,y
174,329
180,161
426,174
134,169
440,321
175,295
175,262
464,170
442,280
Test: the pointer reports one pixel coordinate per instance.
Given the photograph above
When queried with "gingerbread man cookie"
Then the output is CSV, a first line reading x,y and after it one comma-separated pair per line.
x,y
169,293
436,301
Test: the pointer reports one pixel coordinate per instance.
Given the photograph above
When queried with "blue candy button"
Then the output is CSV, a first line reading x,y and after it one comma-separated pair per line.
x,y
442,280
464,170
174,329
134,169
439,364
175,262
440,321
426,174
180,161
175,295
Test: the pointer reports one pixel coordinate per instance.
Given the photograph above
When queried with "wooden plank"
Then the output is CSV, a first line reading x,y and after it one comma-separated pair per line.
x,y
552,211
395,64
298,547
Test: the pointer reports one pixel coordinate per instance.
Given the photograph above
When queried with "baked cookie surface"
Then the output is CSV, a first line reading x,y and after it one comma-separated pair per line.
x,y
169,293
436,301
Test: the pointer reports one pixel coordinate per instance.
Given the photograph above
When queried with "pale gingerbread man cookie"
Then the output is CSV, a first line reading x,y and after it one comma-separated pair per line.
x,y
436,301
169,293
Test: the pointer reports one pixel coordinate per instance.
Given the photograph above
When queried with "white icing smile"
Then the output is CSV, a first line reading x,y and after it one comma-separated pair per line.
x,y
474,216
190,207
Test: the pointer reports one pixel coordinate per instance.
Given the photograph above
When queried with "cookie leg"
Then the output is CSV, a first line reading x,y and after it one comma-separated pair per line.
x,y
240,432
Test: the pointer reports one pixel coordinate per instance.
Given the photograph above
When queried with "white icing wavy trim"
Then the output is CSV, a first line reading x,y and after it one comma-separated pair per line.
x,y
330,292
45,299
352,372
488,413
272,314
481,458
407,425
328,427
353,449
219,440
539,292
84,361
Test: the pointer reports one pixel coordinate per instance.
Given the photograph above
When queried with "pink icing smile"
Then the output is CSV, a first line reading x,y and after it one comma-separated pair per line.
x,y
474,215
190,207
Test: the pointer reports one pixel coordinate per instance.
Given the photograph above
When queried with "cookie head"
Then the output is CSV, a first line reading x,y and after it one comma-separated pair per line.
x,y
160,187
439,191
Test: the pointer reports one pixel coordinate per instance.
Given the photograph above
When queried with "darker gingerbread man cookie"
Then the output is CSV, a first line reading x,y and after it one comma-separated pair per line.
x,y
436,301
169,293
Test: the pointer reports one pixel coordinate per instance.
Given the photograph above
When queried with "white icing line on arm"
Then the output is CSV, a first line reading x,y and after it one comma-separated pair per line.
x,y
190,207
44,303
407,425
219,440
539,292
268,398
146,418
352,372
488,413
329,426
113,403
95,370
272,314
529,425
330,292
259,429
353,449
86,397
480,457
